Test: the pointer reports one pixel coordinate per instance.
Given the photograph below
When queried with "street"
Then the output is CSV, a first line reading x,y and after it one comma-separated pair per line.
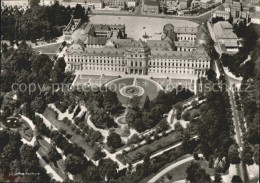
x,y
241,168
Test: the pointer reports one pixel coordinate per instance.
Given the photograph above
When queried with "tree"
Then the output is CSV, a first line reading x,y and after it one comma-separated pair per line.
x,y
107,169
57,74
217,178
236,179
34,3
196,156
134,139
41,67
114,140
146,165
197,174
75,164
211,74
111,102
146,103
98,154
53,155
90,174
256,154
233,154
163,125
39,105
79,12
186,116
247,154
134,102
187,144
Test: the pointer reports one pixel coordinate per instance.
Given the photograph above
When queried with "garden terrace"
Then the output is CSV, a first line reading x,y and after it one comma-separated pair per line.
x,y
153,147
71,129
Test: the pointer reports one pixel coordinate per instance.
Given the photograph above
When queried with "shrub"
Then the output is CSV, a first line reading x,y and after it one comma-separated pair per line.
x,y
186,116
78,131
68,136
73,127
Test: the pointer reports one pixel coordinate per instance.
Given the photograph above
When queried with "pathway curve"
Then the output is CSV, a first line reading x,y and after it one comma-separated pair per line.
x,y
174,165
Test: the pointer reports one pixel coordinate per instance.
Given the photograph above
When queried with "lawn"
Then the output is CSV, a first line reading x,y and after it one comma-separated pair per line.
x,y
117,85
48,49
77,139
154,147
43,150
179,173
150,88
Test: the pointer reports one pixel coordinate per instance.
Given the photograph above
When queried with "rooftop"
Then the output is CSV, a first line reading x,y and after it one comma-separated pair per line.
x,y
186,30
184,44
158,43
198,53
224,30
221,12
96,40
151,3
101,27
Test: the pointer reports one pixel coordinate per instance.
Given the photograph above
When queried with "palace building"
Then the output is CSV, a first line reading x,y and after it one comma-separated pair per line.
x,y
185,58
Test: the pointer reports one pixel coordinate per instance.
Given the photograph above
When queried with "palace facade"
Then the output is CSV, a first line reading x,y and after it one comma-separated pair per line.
x,y
153,57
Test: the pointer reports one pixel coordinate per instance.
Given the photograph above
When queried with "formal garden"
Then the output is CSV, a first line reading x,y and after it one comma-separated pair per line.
x,y
126,88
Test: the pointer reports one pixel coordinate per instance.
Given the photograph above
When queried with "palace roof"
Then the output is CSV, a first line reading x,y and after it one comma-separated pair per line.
x,y
185,30
95,40
184,44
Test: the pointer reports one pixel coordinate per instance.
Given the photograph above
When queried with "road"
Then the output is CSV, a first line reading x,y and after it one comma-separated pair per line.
x,y
167,169
241,168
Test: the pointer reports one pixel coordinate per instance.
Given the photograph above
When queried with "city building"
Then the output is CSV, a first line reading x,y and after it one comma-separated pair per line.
x,y
47,2
186,33
131,3
11,3
117,3
225,15
151,7
73,25
92,4
95,42
102,30
25,3
184,4
255,17
225,36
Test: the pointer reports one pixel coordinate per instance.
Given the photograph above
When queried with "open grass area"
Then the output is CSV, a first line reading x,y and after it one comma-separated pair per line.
x,y
48,49
153,147
179,173
150,88
119,84
77,139
43,150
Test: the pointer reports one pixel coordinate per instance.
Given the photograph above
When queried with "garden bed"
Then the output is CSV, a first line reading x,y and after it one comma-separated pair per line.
x,y
76,138
153,147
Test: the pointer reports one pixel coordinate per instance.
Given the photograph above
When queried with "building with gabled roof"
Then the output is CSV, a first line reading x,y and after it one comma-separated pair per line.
x,y
225,36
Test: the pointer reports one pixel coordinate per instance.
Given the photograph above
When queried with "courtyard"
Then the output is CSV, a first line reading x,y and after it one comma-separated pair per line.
x,y
136,27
